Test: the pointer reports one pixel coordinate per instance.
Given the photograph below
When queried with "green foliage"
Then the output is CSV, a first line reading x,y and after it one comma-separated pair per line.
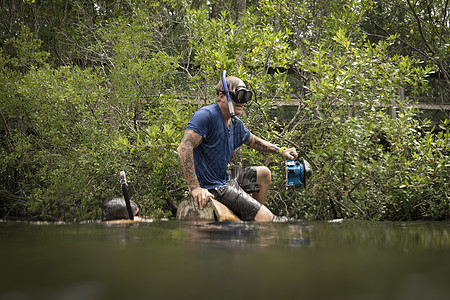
x,y
62,150
354,178
115,95
23,51
156,173
142,80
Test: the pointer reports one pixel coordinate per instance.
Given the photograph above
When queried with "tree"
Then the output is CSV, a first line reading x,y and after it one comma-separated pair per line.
x,y
422,30
92,88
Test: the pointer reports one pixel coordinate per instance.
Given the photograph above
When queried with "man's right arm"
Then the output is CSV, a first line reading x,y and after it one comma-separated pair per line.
x,y
190,141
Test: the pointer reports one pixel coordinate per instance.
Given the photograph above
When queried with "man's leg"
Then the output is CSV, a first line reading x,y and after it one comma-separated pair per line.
x,y
242,204
263,178
264,215
247,207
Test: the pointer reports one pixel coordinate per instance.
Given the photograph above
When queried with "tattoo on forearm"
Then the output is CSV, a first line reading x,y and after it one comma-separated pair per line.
x,y
262,145
186,155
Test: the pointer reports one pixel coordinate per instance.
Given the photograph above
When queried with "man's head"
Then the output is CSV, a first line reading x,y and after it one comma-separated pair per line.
x,y
238,92
116,209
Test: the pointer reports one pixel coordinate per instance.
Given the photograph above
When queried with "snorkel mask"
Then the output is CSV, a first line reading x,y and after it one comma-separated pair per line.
x,y
240,95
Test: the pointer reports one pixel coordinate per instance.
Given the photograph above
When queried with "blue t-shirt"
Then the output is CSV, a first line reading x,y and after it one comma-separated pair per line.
x,y
211,157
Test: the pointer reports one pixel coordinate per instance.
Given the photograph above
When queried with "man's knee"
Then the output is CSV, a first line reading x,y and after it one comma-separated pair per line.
x,y
263,174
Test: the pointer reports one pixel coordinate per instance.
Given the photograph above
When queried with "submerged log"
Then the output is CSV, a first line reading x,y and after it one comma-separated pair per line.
x,y
213,211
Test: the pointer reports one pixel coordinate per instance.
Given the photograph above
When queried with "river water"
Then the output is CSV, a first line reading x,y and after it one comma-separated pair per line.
x,y
184,260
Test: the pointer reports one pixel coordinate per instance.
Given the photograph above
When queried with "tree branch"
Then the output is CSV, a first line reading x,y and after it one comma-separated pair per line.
x,y
419,25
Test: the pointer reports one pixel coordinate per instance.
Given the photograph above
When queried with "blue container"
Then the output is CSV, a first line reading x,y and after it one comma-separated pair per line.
x,y
297,172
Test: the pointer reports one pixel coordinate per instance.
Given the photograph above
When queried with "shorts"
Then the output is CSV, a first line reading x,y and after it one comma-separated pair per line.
x,y
235,195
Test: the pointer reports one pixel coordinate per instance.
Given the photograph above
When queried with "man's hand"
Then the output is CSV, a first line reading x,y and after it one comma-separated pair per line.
x,y
201,197
289,153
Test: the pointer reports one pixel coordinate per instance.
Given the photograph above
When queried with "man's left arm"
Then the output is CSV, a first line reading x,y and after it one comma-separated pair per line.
x,y
261,145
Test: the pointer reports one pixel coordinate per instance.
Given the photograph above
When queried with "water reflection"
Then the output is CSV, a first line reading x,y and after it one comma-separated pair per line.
x,y
248,234
174,260
404,237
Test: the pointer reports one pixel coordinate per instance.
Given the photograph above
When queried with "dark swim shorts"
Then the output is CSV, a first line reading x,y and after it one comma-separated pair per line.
x,y
235,195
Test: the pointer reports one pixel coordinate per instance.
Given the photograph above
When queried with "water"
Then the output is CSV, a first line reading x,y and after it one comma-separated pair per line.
x,y
183,260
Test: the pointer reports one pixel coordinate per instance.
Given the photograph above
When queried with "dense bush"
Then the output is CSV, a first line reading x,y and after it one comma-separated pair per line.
x,y
125,97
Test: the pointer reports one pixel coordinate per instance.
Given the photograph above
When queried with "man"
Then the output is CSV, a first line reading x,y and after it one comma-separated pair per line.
x,y
206,148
